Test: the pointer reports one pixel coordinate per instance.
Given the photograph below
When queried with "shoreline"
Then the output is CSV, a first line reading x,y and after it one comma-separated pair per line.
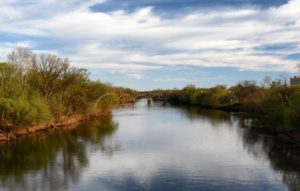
x,y
65,123
227,108
290,136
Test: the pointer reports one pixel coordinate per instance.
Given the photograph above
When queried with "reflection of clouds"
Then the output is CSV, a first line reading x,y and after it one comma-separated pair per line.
x,y
172,144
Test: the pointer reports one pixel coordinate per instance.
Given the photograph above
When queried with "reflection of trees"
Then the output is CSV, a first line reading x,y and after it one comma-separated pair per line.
x,y
283,157
215,117
54,159
292,179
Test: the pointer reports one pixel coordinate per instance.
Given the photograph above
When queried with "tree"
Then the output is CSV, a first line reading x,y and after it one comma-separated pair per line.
x,y
284,78
267,81
284,90
243,90
21,59
35,88
8,80
215,96
47,74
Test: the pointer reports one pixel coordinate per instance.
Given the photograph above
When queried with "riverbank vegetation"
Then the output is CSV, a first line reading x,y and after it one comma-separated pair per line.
x,y
277,103
39,88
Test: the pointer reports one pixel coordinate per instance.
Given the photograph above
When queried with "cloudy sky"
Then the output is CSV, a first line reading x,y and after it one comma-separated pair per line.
x,y
145,44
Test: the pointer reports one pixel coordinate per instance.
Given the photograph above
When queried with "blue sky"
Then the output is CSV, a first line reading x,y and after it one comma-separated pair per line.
x,y
147,44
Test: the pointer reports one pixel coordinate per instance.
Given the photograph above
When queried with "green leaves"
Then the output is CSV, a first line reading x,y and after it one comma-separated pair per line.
x,y
16,112
35,88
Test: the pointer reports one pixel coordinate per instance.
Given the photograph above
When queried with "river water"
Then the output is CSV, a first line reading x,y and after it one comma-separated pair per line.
x,y
153,147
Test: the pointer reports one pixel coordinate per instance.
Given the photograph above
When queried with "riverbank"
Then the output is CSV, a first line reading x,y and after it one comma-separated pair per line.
x,y
228,108
65,123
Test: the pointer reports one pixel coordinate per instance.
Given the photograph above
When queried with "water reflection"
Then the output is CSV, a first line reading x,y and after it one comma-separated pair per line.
x,y
283,157
54,160
155,147
215,117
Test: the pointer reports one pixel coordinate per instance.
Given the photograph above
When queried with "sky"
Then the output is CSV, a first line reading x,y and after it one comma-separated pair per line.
x,y
149,44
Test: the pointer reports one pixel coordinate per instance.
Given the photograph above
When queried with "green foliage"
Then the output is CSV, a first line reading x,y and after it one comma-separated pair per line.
x,y
9,81
16,112
292,113
281,106
43,113
277,103
35,88
248,95
215,96
95,90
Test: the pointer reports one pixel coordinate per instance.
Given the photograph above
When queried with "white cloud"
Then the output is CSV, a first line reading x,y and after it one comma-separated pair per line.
x,y
172,80
5,48
223,38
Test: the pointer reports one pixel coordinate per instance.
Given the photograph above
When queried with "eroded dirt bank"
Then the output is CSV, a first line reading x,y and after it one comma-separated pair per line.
x,y
65,123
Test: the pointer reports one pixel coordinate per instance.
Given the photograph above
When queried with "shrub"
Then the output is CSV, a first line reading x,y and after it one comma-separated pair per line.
x,y
16,112
292,113
20,112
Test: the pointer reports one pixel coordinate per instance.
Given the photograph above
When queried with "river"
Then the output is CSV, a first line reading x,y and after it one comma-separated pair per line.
x,y
153,147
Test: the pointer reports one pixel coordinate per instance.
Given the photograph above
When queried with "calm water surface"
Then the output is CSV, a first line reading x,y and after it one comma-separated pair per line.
x,y
153,147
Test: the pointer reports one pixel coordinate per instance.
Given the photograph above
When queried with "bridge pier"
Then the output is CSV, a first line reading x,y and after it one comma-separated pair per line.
x,y
149,100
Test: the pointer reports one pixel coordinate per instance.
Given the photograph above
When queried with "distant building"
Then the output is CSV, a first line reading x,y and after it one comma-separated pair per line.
x,y
295,80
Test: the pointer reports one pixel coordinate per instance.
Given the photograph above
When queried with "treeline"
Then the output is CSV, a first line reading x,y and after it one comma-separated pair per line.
x,y
125,95
275,101
38,88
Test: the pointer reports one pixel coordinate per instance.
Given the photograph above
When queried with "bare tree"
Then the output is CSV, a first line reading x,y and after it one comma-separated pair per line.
x,y
21,59
285,91
284,78
48,70
267,81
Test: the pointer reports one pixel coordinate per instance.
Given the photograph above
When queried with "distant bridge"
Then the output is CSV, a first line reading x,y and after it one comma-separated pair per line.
x,y
149,95
152,95
127,97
